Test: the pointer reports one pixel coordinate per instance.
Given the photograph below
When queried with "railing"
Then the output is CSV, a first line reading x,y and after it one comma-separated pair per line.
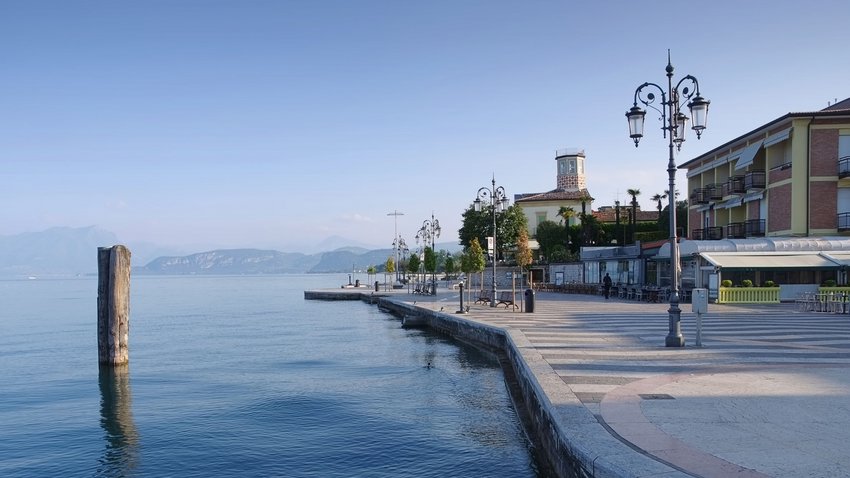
x,y
843,167
707,234
714,191
734,185
748,295
844,221
736,230
755,179
699,196
754,227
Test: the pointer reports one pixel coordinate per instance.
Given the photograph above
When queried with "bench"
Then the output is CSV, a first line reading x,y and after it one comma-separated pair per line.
x,y
507,298
484,297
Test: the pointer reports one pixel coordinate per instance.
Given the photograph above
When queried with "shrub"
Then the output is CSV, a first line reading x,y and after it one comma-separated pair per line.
x,y
770,283
725,283
829,283
747,283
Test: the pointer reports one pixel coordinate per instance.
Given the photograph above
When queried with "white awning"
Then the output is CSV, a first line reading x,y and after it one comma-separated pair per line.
x,y
734,202
809,260
754,196
747,155
842,258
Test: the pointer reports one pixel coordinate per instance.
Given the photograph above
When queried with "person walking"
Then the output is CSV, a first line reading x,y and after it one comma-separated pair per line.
x,y
606,284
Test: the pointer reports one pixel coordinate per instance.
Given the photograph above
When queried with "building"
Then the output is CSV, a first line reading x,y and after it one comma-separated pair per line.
x,y
768,204
570,191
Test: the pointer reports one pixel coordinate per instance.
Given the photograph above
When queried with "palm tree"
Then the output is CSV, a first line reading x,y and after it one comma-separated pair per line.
x,y
566,212
634,193
658,198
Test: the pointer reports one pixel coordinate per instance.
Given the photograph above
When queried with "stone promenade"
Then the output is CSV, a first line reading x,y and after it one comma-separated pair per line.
x,y
767,394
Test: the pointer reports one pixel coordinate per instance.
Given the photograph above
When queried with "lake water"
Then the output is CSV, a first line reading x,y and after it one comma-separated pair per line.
x,y
240,376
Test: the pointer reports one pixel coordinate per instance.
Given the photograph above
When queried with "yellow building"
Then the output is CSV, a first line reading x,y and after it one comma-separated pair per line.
x,y
570,191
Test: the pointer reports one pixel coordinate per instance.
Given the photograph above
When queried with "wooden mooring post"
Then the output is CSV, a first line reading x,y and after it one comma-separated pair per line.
x,y
113,305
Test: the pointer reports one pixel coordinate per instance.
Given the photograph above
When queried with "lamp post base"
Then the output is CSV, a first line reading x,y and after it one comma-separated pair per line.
x,y
674,335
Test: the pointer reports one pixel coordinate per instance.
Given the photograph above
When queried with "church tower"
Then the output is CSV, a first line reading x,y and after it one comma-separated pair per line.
x,y
570,169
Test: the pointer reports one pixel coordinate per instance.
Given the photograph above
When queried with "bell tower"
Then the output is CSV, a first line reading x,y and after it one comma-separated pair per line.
x,y
570,169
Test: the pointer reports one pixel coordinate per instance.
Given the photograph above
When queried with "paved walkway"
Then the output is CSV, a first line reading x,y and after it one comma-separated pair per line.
x,y
767,394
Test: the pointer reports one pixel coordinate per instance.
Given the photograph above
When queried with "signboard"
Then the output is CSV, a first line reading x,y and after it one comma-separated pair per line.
x,y
490,245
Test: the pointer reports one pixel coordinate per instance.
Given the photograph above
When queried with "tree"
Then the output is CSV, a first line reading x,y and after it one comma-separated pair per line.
x,y
658,198
553,239
472,261
634,193
449,266
413,263
479,225
389,267
523,253
430,263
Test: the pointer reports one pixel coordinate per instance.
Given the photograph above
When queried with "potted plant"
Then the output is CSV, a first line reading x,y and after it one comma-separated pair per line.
x,y
747,283
726,283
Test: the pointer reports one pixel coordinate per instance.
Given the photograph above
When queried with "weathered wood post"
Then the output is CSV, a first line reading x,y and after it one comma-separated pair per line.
x,y
113,305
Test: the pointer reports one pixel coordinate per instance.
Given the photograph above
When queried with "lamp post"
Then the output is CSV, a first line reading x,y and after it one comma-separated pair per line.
x,y
398,245
397,240
429,232
498,200
674,127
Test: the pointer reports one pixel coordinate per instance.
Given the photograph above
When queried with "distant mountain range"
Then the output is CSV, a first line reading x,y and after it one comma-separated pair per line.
x,y
64,251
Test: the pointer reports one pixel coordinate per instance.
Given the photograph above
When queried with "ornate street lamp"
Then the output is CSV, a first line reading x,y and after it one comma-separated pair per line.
x,y
497,199
398,242
429,232
400,247
674,126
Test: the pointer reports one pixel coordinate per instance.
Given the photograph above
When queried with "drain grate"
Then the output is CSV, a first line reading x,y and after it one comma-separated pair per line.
x,y
655,396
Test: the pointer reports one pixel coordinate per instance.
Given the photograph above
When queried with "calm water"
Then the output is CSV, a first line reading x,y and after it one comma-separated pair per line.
x,y
240,376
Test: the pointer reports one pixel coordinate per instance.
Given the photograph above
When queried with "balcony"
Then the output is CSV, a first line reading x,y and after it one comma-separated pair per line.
x,y
755,180
734,185
843,167
714,192
844,222
754,227
708,234
736,230
699,196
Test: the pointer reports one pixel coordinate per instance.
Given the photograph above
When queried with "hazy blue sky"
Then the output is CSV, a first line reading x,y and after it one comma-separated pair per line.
x,y
280,123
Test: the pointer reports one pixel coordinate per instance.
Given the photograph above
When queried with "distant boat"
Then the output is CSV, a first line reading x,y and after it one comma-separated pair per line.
x,y
31,277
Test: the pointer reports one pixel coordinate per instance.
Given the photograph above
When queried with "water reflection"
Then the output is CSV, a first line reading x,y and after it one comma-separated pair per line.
x,y
121,453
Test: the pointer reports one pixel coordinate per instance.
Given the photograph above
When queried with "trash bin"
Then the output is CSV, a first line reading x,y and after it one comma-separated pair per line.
x,y
376,286
529,300
356,282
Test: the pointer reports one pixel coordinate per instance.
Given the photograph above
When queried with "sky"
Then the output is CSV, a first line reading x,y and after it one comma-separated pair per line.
x,y
281,123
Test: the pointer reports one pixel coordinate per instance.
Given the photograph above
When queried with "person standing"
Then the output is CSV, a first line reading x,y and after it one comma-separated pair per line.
x,y
606,284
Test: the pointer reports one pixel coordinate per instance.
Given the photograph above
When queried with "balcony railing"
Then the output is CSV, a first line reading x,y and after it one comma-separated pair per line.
x,y
734,185
755,179
844,221
714,192
844,166
708,234
736,230
699,196
754,227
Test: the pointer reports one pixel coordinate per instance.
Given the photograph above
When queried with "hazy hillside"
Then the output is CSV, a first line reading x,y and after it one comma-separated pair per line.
x,y
64,251
56,251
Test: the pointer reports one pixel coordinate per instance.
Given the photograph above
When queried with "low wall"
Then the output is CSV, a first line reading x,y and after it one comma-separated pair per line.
x,y
542,423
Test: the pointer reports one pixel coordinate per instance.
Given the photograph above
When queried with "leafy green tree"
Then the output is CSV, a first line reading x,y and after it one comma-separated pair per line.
x,y
472,261
523,253
479,225
449,266
413,263
390,265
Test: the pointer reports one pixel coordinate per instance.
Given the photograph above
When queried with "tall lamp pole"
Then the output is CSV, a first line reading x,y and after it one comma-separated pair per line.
x,y
429,232
498,200
397,240
674,128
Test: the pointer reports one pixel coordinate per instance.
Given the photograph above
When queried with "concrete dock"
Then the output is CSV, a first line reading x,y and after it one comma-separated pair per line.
x,y
767,394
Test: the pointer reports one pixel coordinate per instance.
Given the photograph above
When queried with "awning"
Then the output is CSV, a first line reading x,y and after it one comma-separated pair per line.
x,y
777,138
842,258
734,202
747,155
754,196
810,260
